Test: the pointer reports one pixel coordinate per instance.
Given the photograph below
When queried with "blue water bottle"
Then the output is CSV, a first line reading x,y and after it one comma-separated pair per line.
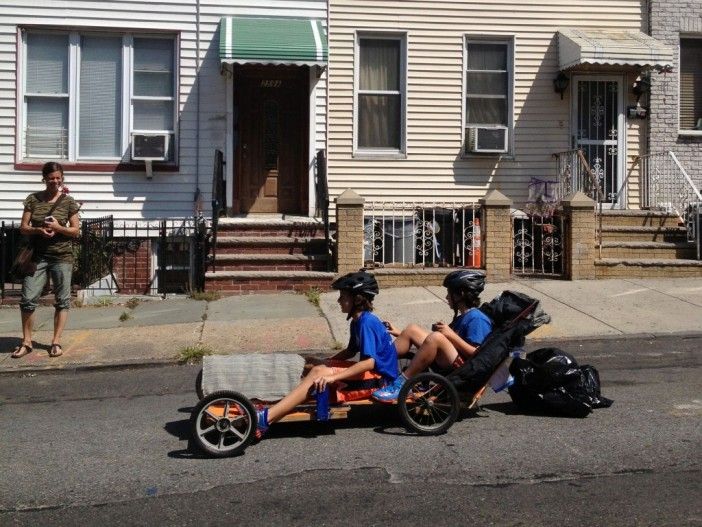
x,y
322,404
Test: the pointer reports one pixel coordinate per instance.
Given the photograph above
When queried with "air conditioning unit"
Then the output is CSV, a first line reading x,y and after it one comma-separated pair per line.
x,y
488,140
150,147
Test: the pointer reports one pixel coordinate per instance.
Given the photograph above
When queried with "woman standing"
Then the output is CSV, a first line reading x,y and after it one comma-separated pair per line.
x,y
49,221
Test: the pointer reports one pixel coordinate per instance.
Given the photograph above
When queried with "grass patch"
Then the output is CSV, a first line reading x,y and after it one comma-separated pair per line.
x,y
193,354
207,296
125,316
132,303
313,296
104,301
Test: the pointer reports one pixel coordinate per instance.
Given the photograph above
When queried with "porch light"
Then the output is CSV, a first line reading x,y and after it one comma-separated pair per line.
x,y
560,83
641,86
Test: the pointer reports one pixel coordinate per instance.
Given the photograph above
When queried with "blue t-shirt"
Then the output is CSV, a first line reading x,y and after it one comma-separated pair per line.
x,y
371,339
473,326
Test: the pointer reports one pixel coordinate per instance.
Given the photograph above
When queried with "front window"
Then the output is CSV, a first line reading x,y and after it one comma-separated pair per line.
x,y
691,84
86,94
488,96
380,94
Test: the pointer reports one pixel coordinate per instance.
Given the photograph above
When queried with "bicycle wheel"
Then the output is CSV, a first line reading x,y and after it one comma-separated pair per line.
x,y
223,423
428,404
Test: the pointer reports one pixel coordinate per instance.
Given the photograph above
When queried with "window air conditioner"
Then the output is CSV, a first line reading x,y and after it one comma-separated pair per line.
x,y
488,140
150,147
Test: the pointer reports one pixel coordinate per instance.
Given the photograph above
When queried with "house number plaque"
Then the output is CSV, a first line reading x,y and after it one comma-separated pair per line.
x,y
271,83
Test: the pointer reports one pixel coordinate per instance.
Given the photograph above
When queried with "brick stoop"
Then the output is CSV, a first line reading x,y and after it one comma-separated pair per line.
x,y
269,253
644,244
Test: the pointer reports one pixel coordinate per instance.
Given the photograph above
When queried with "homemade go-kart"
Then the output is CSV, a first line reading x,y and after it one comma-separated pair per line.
x,y
223,423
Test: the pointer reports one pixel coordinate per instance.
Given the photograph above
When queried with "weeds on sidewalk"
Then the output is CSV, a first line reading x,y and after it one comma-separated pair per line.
x,y
193,354
313,296
104,301
207,296
125,316
132,303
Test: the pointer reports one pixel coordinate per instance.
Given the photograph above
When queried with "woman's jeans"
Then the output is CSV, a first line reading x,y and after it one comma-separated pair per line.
x,y
33,286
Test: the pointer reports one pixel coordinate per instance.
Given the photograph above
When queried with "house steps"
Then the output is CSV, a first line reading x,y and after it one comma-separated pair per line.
x,y
644,244
266,254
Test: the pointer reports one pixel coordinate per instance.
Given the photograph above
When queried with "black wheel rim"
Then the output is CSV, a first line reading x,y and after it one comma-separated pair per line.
x,y
429,404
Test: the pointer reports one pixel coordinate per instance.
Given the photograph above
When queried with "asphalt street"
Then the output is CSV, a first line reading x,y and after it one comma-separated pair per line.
x,y
111,448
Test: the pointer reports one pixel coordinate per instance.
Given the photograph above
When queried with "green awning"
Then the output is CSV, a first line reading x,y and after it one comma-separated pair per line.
x,y
248,40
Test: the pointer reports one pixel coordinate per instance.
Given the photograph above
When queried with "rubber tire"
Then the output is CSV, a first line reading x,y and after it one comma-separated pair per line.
x,y
206,447
451,393
198,386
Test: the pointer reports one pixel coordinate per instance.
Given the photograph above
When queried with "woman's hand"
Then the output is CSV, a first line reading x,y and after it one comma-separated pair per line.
x,y
320,383
46,232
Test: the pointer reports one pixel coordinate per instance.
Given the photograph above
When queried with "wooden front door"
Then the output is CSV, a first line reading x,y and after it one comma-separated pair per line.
x,y
272,132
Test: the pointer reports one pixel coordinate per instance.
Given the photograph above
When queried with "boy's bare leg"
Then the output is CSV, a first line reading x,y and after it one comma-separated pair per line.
x,y
412,335
60,317
436,347
299,394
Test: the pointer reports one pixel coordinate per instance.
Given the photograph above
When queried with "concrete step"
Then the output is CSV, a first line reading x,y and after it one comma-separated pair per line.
x,y
647,250
251,282
639,218
272,226
647,268
271,262
643,234
270,245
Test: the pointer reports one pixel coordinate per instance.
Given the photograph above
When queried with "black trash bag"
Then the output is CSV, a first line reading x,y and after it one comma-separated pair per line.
x,y
550,380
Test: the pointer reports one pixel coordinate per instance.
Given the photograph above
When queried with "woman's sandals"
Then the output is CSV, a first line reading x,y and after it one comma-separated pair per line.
x,y
21,351
56,350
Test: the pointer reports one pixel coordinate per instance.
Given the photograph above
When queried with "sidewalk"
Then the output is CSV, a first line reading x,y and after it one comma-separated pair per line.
x,y
155,331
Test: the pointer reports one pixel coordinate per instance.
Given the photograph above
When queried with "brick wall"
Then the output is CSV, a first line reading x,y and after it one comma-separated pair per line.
x,y
669,18
133,269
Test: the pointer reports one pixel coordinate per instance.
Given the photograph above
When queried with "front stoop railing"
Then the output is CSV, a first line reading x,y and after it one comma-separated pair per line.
x,y
538,244
666,186
421,234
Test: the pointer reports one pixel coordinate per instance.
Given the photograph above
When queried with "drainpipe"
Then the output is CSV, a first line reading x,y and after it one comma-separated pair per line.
x,y
326,134
197,199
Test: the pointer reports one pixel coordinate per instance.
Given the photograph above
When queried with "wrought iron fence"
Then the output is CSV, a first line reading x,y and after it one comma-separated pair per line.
x,y
421,234
537,244
158,257
665,183
574,174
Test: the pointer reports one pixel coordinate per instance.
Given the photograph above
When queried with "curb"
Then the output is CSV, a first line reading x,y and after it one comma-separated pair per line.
x,y
126,365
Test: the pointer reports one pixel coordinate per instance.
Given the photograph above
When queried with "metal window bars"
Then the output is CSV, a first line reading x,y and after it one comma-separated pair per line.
x,y
440,234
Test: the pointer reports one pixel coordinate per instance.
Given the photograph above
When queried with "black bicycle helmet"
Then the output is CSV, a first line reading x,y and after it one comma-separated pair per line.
x,y
360,282
469,279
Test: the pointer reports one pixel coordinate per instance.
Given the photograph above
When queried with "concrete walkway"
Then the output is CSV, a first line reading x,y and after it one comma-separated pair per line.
x,y
156,331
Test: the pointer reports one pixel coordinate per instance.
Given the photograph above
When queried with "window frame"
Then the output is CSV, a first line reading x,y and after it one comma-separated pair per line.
x,y
374,153
509,41
684,131
73,160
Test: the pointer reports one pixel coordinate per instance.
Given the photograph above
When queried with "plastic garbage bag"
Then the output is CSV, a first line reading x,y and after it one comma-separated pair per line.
x,y
550,380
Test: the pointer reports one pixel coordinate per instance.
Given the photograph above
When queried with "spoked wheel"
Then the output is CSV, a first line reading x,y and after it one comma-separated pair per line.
x,y
198,386
223,424
428,404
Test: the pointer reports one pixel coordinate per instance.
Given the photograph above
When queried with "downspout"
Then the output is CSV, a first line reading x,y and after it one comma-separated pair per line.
x,y
197,199
326,89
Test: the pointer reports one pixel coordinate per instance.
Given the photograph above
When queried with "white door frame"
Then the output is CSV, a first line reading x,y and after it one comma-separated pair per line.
x,y
621,130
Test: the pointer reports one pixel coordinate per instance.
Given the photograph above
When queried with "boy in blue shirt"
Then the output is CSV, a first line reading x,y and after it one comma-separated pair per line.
x,y
369,338
449,346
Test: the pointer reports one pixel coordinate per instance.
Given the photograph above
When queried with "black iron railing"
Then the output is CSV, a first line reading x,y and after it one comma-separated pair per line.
x,y
10,242
322,195
94,252
219,205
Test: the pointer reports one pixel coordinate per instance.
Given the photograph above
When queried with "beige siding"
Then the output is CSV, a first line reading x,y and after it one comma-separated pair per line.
x,y
433,168
124,194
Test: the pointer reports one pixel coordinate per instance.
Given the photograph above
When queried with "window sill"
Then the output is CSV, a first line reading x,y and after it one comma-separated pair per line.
x,y
690,133
99,167
366,154
487,155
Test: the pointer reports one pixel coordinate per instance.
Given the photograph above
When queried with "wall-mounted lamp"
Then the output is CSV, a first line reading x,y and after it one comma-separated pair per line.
x,y
560,83
641,86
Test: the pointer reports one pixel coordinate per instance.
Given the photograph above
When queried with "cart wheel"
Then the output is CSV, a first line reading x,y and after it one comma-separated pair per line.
x,y
198,386
223,423
428,404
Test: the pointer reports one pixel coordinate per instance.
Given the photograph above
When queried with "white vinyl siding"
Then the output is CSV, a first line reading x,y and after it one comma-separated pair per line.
x,y
434,168
202,116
